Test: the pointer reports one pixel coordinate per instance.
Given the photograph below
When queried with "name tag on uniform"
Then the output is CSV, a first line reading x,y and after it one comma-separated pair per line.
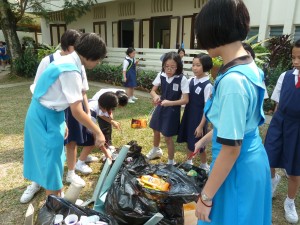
x,y
175,87
197,91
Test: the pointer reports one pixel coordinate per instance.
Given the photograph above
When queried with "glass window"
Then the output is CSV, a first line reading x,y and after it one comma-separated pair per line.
x,y
253,31
276,31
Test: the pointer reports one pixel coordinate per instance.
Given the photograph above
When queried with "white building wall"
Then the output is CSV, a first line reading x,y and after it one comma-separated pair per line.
x,y
263,14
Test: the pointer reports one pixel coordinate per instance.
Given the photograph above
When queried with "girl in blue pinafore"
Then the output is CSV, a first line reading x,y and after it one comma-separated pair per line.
x,y
193,123
58,87
174,93
283,137
238,189
129,74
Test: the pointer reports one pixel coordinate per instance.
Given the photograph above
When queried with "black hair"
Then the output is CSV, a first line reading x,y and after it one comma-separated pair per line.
x,y
249,49
174,56
205,60
181,50
91,46
122,97
108,101
297,44
129,50
68,39
221,22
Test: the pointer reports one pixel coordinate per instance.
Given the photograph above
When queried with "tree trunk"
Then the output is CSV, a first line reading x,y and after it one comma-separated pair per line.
x,y
9,27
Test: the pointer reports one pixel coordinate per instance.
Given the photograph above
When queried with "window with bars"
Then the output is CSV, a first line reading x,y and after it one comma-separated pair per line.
x,y
158,6
99,12
127,9
253,31
57,16
276,31
199,3
297,33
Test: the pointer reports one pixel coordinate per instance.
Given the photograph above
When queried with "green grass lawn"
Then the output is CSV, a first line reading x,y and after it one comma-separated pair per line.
x,y
14,103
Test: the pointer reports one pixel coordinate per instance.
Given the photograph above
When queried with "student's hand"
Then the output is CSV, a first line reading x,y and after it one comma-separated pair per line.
x,y
156,100
199,144
198,132
116,124
166,103
66,132
124,79
202,212
107,153
99,139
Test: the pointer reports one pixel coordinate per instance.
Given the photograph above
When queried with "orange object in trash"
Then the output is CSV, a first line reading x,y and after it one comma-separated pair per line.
x,y
155,182
138,123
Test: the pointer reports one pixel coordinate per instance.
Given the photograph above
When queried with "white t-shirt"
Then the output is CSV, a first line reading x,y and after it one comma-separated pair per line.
x,y
104,90
276,93
46,61
126,63
184,82
93,104
207,89
67,89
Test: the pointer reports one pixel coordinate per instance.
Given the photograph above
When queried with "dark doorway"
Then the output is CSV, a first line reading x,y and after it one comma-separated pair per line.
x,y
126,31
161,27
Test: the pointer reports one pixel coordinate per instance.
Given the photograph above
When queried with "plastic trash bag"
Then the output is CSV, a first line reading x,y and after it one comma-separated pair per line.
x,y
56,205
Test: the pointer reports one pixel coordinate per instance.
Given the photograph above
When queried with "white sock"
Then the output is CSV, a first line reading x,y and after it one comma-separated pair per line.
x,y
289,200
170,161
80,162
35,184
71,172
204,164
156,148
189,161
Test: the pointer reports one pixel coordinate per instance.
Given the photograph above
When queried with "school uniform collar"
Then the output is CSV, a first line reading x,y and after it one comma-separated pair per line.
x,y
127,57
77,60
165,75
201,80
296,72
246,59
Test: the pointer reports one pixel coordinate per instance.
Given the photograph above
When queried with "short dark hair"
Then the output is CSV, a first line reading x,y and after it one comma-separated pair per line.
x,y
297,44
122,97
69,38
249,49
221,22
129,50
108,100
181,50
174,56
205,60
91,46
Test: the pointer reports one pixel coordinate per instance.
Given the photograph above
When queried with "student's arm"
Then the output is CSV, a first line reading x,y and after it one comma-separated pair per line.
x,y
114,123
199,129
84,119
204,141
184,100
86,103
154,95
125,66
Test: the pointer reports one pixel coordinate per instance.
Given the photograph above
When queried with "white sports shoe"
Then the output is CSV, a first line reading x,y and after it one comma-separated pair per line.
x,y
205,166
130,100
290,212
154,153
74,178
91,158
29,193
275,182
134,98
83,168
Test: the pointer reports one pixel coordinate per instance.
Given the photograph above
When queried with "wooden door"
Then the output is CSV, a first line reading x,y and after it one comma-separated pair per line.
x,y
146,34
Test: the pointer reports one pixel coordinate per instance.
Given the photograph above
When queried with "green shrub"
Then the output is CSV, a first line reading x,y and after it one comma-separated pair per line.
x,y
113,75
26,65
45,50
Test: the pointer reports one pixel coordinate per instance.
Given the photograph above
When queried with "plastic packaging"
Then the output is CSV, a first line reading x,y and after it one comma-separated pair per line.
x,y
155,182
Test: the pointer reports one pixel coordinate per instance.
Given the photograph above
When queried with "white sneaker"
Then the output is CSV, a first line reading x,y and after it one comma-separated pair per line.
x,y
91,158
285,173
134,98
130,100
154,153
83,168
290,212
74,178
30,191
205,166
170,163
275,182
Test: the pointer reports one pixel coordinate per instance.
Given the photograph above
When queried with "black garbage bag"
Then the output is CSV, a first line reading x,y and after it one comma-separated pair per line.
x,y
128,205
56,205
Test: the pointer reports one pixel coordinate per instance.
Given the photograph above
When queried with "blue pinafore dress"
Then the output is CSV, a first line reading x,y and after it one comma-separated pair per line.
x,y
44,134
283,137
167,119
192,115
245,196
131,74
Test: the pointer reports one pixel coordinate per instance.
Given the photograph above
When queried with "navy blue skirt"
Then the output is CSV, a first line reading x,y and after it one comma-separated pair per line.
x,y
77,132
282,143
130,79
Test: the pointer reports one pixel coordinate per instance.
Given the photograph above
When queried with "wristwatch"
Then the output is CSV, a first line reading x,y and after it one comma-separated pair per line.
x,y
205,198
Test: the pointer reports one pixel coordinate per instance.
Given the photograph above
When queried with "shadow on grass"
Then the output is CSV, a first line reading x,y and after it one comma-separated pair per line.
x,y
11,155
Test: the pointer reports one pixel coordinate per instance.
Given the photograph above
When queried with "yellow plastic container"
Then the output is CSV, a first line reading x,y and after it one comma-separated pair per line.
x,y
155,182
